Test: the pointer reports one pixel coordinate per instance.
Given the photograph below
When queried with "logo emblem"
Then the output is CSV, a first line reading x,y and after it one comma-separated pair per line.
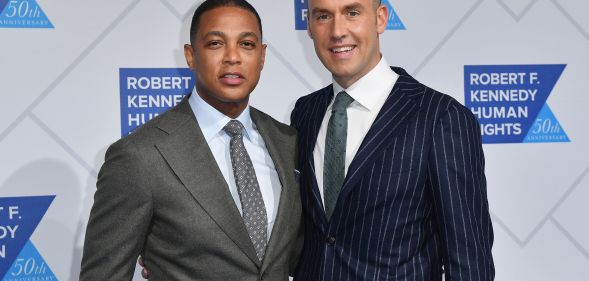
x,y
148,92
393,21
301,14
19,259
23,14
510,102
301,11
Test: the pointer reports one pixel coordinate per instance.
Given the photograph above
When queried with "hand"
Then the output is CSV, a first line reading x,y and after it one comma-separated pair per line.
x,y
144,271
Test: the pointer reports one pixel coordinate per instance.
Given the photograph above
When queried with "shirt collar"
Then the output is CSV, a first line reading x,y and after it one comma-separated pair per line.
x,y
367,90
211,121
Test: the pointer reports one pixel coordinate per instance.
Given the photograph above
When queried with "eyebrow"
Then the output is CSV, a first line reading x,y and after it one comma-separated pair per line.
x,y
355,5
248,34
214,33
222,34
319,10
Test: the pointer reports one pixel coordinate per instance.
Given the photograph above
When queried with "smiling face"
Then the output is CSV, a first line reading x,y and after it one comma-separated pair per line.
x,y
345,35
227,57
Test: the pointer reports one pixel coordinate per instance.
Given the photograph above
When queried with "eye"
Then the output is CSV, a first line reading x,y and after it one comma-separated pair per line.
x,y
248,44
323,17
214,44
353,13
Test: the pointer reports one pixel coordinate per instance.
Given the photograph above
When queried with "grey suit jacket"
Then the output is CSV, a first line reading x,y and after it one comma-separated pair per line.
x,y
161,194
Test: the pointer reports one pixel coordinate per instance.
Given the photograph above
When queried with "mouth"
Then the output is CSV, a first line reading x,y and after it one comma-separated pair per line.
x,y
232,78
342,49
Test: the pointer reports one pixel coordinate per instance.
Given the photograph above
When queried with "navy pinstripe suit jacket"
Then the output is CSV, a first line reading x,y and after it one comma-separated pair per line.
x,y
413,204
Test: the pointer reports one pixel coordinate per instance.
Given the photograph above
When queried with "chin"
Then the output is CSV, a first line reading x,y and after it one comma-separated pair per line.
x,y
233,98
341,73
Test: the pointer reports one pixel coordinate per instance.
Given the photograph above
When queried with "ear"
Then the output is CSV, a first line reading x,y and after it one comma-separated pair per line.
x,y
382,16
263,58
189,55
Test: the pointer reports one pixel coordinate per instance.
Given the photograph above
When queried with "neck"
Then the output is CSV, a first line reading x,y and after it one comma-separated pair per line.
x,y
346,82
230,109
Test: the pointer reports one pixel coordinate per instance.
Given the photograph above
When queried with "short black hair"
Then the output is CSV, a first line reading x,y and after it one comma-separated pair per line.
x,y
208,5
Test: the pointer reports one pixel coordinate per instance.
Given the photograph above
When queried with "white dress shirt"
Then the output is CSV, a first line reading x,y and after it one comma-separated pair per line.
x,y
211,122
370,94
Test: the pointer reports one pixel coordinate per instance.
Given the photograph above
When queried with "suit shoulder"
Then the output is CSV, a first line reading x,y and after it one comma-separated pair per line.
x,y
281,127
425,96
308,103
147,134
312,97
444,103
140,135
130,148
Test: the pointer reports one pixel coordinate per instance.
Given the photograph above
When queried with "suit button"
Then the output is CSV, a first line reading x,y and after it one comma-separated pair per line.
x,y
330,240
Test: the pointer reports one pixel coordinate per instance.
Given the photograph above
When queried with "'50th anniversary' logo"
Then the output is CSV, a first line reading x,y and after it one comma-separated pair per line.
x,y
19,259
22,14
510,102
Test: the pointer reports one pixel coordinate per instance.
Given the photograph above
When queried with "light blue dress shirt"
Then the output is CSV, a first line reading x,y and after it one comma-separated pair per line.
x,y
211,122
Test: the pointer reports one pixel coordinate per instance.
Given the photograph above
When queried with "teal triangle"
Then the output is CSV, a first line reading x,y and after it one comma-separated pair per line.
x,y
29,265
546,128
23,14
393,21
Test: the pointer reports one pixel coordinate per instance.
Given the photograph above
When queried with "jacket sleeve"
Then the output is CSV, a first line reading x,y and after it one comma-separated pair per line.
x,y
457,176
119,218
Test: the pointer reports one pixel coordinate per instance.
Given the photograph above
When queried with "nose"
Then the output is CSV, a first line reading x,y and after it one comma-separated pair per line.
x,y
338,28
232,55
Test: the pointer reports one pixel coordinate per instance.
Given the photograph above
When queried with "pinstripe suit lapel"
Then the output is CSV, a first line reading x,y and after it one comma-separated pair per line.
x,y
316,118
397,109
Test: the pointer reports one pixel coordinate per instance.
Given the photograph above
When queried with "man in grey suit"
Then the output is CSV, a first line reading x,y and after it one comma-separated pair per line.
x,y
207,190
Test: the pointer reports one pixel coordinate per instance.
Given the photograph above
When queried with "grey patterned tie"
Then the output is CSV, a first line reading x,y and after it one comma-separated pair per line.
x,y
335,151
252,203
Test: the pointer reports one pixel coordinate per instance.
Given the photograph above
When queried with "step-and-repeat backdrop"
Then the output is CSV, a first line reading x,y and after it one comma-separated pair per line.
x,y
77,75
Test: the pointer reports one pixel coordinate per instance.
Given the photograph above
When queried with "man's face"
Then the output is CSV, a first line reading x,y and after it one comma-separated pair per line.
x,y
345,34
227,57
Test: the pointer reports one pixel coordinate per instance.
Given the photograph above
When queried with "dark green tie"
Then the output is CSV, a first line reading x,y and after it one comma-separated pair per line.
x,y
335,151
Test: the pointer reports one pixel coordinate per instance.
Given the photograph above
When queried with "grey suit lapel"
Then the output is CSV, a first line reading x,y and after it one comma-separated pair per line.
x,y
282,151
188,155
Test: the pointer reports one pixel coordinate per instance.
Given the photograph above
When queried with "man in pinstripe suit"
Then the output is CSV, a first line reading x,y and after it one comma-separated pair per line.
x,y
392,181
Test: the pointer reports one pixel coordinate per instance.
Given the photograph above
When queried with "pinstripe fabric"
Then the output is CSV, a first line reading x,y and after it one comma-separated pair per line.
x,y
414,198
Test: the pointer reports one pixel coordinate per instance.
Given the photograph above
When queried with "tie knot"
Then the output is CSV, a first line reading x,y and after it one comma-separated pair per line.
x,y
234,128
342,101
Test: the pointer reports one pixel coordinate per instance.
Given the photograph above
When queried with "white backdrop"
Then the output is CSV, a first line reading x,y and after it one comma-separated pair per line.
x,y
59,91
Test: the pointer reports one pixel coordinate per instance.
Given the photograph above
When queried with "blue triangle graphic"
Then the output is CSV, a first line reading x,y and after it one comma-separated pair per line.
x,y
29,265
546,128
20,217
3,4
23,14
393,22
